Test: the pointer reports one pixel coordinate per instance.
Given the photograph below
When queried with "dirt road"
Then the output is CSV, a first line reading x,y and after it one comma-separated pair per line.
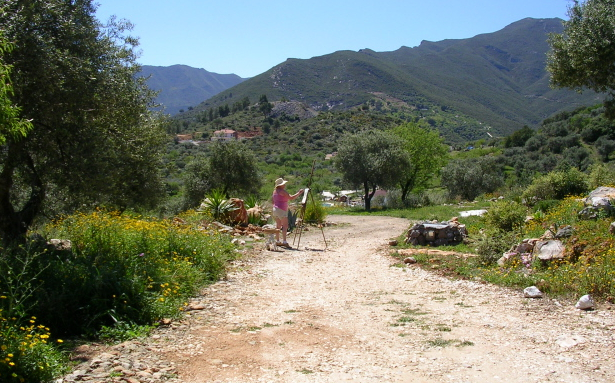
x,y
347,314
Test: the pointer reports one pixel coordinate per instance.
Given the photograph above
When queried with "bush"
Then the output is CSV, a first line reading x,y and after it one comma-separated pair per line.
x,y
27,353
601,175
505,215
556,185
492,244
122,268
314,212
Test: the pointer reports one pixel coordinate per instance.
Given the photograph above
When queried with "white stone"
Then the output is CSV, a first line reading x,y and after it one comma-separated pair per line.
x,y
586,302
532,292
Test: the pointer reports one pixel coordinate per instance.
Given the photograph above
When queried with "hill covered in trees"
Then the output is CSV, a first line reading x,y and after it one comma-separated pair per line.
x,y
489,85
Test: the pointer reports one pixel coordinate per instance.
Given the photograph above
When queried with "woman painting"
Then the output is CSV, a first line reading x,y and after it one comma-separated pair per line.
x,y
280,209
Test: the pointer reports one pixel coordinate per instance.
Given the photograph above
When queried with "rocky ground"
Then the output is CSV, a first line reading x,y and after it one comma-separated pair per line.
x,y
346,312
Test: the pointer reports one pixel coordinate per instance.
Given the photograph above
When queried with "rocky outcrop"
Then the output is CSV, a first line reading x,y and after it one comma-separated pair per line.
x,y
598,203
292,109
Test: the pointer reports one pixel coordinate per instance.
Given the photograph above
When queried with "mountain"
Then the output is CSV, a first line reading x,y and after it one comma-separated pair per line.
x,y
182,87
496,78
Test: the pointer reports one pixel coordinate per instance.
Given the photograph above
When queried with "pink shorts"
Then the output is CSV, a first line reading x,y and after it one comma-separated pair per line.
x,y
279,213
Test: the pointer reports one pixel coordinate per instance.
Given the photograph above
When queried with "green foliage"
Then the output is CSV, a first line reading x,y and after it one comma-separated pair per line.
x,y
314,212
519,138
196,182
123,331
505,215
217,205
230,167
427,154
372,159
472,177
93,137
601,175
556,185
121,269
233,168
582,56
27,353
11,126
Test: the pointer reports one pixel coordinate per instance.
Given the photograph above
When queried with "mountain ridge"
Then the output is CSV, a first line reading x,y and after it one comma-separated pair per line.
x,y
181,86
499,78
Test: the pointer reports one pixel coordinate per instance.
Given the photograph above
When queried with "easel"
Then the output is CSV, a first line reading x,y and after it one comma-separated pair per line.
x,y
306,192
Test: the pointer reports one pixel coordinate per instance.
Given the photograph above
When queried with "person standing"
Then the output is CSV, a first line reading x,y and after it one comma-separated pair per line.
x,y
280,209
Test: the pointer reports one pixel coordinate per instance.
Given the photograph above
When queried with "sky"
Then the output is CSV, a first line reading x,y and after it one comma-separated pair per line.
x,y
247,37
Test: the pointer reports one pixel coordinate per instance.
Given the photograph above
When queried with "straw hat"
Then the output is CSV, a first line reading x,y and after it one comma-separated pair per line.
x,y
280,182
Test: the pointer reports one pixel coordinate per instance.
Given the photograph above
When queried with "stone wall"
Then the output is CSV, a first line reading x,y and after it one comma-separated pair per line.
x,y
437,233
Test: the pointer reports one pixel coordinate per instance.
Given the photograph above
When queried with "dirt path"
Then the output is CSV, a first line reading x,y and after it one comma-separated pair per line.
x,y
345,314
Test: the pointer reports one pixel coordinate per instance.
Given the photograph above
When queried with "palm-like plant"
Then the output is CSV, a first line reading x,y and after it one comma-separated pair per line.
x,y
217,204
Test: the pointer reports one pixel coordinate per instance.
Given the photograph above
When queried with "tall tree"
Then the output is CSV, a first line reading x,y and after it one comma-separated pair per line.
x,y
233,168
472,177
372,159
94,139
583,55
428,155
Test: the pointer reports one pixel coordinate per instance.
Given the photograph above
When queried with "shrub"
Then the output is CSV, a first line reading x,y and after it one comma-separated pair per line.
x,y
217,205
314,212
123,268
505,215
492,244
556,185
27,353
601,175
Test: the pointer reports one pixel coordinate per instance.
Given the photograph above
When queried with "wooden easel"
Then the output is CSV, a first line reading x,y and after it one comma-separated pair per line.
x,y
307,191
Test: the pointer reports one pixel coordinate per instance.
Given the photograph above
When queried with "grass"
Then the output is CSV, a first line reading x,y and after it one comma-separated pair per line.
x,y
123,274
587,268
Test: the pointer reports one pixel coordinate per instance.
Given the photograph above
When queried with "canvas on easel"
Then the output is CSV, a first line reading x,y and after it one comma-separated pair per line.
x,y
307,192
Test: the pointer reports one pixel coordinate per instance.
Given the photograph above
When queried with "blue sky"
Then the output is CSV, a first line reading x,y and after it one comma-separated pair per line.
x,y
248,37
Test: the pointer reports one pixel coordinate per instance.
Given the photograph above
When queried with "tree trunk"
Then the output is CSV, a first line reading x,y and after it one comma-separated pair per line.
x,y
15,224
368,196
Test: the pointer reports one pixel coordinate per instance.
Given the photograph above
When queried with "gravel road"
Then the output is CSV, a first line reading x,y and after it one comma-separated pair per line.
x,y
348,314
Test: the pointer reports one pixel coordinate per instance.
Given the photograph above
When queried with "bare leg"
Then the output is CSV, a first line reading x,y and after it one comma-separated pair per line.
x,y
278,225
284,228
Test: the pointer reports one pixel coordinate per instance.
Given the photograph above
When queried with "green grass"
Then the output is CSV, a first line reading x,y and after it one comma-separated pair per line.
x,y
587,268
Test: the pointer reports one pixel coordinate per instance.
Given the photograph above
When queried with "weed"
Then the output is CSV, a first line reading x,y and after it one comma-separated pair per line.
x,y
439,342
306,371
122,331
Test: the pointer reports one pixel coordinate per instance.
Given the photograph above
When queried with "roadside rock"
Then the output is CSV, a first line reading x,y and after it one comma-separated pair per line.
x,y
532,292
586,302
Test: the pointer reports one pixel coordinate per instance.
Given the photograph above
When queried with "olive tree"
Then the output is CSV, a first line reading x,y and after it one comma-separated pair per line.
x,y
233,168
472,177
372,159
230,168
427,154
93,138
583,55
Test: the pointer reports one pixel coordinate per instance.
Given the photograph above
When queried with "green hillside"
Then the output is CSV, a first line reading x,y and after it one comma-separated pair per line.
x,y
497,79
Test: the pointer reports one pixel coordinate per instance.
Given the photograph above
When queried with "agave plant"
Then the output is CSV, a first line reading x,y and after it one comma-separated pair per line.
x,y
217,204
